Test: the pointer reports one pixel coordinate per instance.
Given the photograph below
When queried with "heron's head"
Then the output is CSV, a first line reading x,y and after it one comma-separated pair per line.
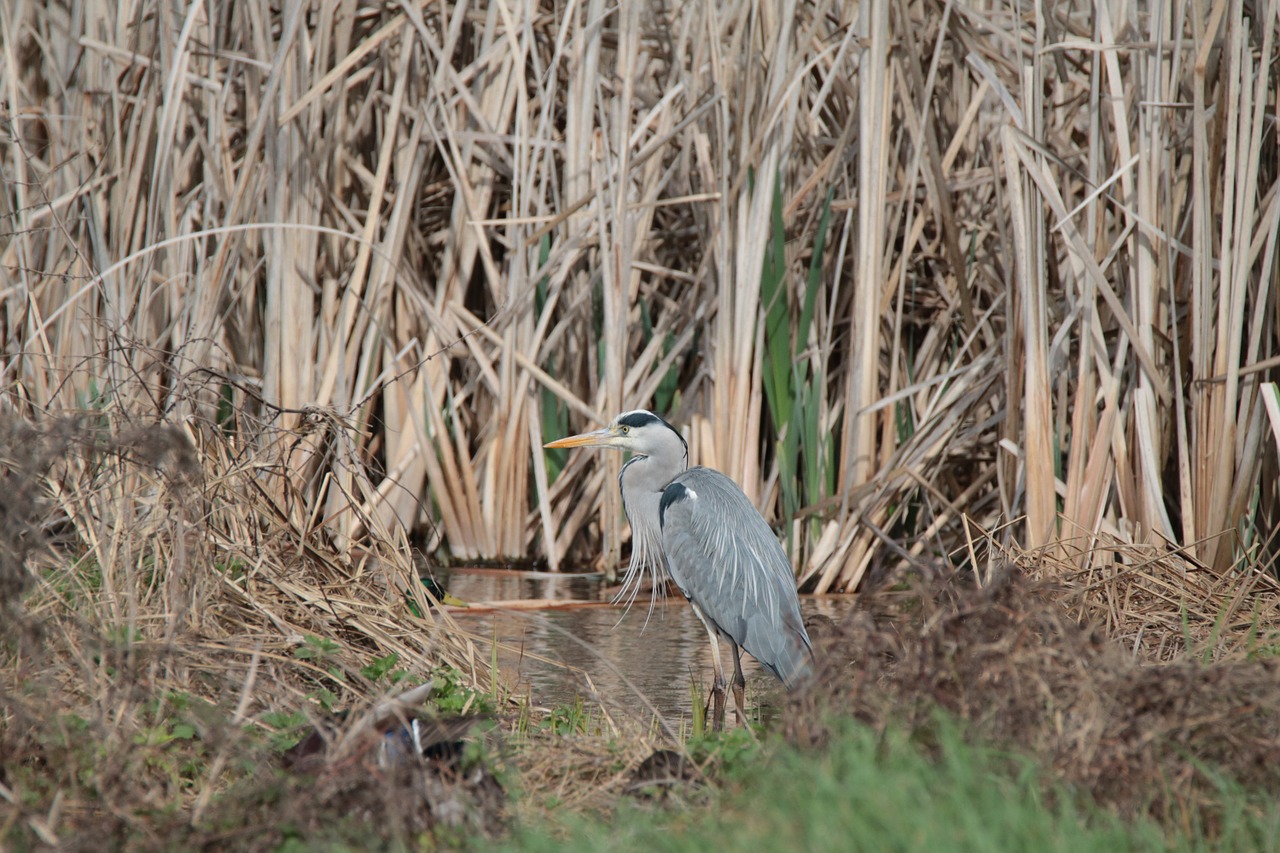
x,y
639,432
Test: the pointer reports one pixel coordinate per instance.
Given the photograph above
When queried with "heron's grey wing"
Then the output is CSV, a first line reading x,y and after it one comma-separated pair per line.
x,y
724,557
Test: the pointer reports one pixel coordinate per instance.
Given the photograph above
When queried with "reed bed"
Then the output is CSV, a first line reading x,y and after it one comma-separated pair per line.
x,y
897,268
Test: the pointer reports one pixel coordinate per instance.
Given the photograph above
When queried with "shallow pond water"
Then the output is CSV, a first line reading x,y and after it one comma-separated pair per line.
x,y
637,663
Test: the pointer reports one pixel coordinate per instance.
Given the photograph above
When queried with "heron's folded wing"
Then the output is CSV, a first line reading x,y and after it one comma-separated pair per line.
x,y
725,558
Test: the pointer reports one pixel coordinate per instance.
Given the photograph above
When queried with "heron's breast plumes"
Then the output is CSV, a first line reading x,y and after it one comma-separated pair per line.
x,y
646,553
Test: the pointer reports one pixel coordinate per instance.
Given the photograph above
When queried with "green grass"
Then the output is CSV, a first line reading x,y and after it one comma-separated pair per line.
x,y
872,792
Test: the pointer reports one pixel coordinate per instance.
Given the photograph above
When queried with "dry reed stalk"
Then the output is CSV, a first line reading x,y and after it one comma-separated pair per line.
x,y
860,454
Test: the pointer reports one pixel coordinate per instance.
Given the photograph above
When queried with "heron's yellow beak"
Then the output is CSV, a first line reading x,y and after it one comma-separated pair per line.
x,y
597,438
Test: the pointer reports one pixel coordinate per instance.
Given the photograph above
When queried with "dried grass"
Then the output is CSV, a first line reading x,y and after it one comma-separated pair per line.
x,y
580,774
1005,657
172,583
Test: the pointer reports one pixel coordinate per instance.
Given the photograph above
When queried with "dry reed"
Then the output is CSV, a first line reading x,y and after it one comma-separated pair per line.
x,y
1045,294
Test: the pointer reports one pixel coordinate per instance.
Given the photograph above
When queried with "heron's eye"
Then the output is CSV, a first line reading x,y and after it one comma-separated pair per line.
x,y
624,429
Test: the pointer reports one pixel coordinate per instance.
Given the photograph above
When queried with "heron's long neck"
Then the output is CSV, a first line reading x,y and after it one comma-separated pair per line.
x,y
642,480
650,474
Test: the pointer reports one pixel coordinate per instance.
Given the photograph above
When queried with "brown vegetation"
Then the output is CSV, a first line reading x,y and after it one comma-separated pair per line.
x,y
1005,657
176,612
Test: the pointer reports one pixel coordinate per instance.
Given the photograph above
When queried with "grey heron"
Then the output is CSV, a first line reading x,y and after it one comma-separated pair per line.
x,y
697,526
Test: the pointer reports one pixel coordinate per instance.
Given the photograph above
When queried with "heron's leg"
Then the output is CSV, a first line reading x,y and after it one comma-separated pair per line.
x,y
716,699
715,702
739,686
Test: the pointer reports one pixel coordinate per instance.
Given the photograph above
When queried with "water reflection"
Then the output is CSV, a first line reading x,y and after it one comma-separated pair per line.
x,y
556,655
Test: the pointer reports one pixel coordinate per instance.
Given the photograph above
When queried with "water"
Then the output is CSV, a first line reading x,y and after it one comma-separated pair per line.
x,y
636,663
